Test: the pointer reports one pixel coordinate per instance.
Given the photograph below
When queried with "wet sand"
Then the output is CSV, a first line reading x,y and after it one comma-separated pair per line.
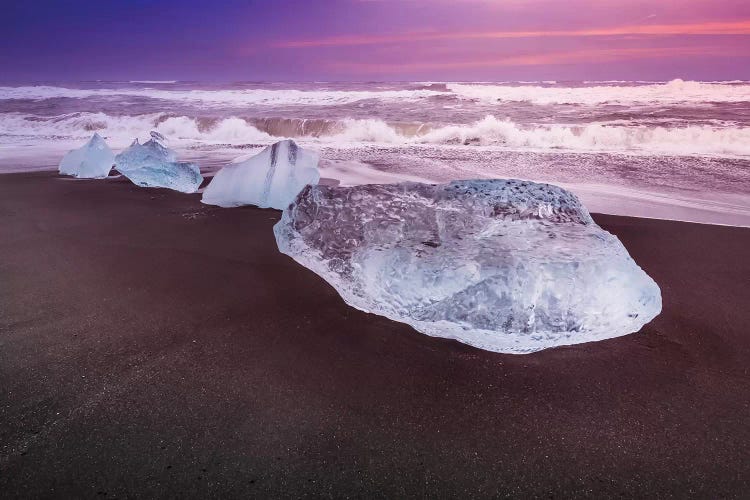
x,y
151,346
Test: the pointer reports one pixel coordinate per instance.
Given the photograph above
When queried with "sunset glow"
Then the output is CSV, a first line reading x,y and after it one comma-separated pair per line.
x,y
712,28
357,39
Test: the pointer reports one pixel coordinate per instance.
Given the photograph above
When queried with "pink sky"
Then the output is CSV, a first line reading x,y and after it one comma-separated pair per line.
x,y
376,40
496,39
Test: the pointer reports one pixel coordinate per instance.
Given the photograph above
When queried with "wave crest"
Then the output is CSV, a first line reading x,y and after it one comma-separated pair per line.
x,y
490,131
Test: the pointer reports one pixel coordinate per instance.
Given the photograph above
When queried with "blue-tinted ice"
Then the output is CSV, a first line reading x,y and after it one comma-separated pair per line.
x,y
504,265
93,160
272,178
152,164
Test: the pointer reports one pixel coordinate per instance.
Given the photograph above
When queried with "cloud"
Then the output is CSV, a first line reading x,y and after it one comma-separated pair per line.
x,y
546,58
705,28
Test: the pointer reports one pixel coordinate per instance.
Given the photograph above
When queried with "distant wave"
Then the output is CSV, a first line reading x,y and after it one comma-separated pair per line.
x,y
220,97
153,81
490,131
675,92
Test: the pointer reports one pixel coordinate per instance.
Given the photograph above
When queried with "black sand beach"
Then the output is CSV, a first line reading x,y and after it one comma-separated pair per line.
x,y
151,346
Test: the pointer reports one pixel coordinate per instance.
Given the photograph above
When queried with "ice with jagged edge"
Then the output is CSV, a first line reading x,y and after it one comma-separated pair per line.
x,y
272,178
504,265
93,160
152,164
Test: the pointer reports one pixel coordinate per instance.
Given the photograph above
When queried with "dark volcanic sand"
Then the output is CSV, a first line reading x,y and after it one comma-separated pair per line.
x,y
151,346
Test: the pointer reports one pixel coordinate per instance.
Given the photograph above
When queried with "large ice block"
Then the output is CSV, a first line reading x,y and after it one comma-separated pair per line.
x,y
504,265
93,160
152,164
272,178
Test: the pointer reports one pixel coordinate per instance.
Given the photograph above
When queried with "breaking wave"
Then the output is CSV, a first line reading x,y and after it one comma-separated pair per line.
x,y
490,131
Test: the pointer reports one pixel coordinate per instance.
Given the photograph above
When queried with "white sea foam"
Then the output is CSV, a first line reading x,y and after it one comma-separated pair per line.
x,y
229,130
716,139
222,97
541,92
673,92
689,140
121,130
154,81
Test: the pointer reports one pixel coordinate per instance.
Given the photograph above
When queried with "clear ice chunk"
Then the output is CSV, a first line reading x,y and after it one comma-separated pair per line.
x,y
93,160
152,164
272,178
504,265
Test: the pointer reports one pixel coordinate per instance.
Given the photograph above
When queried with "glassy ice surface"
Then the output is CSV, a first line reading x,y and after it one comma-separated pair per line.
x,y
272,178
152,164
503,265
93,160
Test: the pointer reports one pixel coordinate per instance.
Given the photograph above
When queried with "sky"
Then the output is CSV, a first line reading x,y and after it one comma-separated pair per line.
x,y
375,40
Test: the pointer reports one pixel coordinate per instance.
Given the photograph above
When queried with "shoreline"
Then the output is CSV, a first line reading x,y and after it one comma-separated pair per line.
x,y
151,345
632,202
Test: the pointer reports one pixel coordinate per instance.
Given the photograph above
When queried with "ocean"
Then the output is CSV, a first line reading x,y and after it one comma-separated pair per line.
x,y
673,150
